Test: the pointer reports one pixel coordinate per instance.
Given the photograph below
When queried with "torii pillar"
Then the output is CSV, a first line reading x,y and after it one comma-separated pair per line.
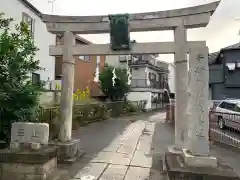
x,y
69,149
181,83
66,105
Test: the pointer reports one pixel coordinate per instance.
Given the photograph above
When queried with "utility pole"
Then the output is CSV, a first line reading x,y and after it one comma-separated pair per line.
x,y
52,2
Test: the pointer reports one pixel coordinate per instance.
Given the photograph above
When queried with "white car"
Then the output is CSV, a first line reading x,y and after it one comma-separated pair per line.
x,y
228,113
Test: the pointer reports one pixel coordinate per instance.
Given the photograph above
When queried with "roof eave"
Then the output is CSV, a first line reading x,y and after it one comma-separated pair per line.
x,y
31,7
85,41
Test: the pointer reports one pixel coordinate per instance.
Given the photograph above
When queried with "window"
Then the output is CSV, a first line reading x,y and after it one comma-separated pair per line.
x,y
29,21
36,79
84,58
237,108
122,58
231,66
227,105
223,105
238,63
152,76
172,95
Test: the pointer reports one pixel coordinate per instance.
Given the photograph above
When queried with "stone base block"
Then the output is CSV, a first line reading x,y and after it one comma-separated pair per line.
x,y
178,170
174,150
199,161
68,152
28,165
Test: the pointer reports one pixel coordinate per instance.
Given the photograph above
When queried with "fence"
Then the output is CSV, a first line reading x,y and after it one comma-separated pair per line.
x,y
142,83
50,112
224,128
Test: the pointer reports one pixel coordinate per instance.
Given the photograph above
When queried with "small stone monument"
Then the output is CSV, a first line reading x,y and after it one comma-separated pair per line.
x,y
29,156
33,134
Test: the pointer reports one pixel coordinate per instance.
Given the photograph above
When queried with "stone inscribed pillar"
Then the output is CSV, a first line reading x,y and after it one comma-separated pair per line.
x,y
198,128
181,80
68,67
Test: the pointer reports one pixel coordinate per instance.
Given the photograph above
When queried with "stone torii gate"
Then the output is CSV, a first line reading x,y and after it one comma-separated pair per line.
x,y
191,134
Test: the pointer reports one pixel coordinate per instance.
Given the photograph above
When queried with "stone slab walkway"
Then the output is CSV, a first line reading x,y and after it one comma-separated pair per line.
x,y
129,156
129,148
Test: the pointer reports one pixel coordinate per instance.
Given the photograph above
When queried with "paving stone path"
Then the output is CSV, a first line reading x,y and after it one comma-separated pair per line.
x,y
129,148
128,157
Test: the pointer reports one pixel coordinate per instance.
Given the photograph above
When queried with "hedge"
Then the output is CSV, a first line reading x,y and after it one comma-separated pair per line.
x,y
87,113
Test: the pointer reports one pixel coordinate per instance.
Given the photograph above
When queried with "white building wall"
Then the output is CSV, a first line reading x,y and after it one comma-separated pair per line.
x,y
141,96
171,77
42,38
114,61
139,73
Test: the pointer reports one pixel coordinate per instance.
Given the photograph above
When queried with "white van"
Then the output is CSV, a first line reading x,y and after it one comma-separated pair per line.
x,y
228,113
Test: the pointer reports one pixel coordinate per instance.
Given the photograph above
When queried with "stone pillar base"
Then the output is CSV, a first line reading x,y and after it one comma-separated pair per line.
x,y
199,161
177,169
69,151
175,150
19,164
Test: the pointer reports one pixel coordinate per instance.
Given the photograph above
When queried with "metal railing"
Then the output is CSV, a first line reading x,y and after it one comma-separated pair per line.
x,y
224,128
142,83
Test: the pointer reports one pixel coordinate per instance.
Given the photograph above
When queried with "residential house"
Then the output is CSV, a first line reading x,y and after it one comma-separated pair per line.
x,y
22,10
224,73
149,77
84,69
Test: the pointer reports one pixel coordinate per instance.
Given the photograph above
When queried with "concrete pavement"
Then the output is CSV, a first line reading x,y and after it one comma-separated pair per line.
x,y
129,148
129,156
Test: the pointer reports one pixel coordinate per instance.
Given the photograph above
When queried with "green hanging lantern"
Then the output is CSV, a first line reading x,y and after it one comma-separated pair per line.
x,y
119,32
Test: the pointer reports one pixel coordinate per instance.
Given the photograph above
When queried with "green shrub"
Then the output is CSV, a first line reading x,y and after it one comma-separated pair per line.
x,y
84,114
120,88
50,115
19,97
129,107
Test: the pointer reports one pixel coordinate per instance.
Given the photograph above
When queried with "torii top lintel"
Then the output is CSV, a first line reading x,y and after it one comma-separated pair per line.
x,y
190,17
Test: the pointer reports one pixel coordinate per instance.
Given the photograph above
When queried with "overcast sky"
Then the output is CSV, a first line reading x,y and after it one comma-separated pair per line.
x,y
221,31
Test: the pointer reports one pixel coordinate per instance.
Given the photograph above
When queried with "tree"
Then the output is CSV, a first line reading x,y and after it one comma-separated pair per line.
x,y
19,97
120,88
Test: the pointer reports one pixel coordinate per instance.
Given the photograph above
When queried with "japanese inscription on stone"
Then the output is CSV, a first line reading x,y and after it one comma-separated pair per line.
x,y
30,132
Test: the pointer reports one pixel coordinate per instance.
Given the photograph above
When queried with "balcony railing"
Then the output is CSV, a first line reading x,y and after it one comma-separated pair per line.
x,y
142,83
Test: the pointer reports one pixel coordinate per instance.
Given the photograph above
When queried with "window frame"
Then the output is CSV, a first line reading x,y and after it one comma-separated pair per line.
x,y
84,58
122,58
36,77
230,108
152,76
226,105
25,18
222,105
236,108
